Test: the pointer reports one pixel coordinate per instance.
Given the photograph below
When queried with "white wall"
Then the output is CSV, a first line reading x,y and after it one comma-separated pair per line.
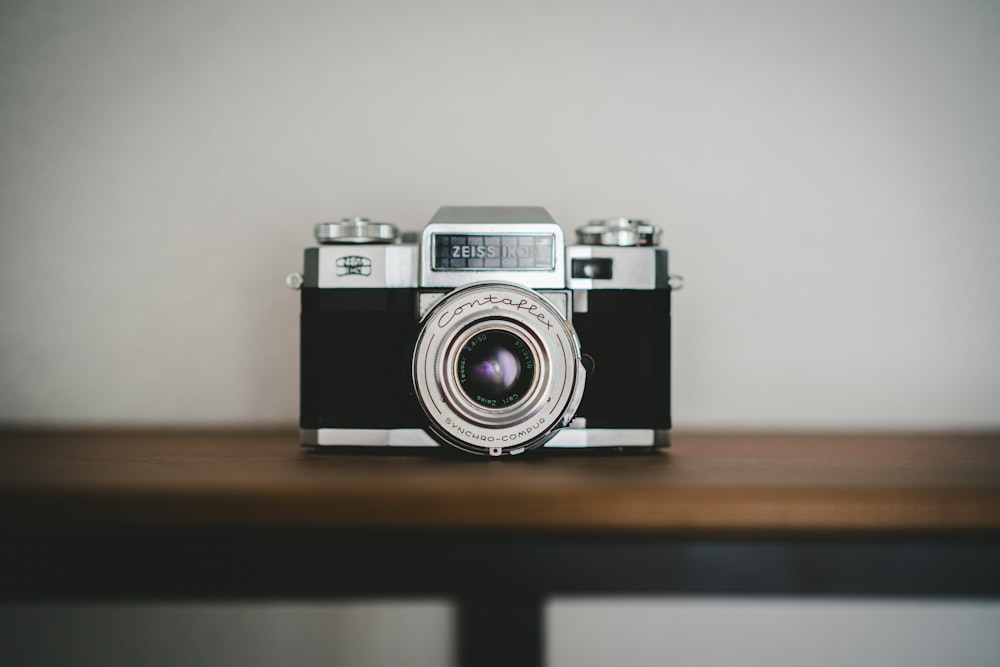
x,y
826,174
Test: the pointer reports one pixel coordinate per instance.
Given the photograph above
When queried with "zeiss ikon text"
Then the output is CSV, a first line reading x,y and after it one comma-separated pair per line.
x,y
485,332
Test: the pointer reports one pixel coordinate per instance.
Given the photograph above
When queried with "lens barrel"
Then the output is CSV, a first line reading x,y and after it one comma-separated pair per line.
x,y
496,369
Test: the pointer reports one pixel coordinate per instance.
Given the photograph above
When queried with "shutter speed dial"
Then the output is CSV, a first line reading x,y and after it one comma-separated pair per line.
x,y
619,232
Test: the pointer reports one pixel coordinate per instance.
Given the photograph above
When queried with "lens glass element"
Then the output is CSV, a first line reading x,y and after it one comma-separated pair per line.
x,y
496,368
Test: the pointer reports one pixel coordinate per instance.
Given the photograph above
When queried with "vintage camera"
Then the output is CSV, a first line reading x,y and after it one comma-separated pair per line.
x,y
485,333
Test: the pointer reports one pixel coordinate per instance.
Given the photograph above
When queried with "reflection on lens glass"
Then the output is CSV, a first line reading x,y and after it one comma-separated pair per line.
x,y
496,368
498,371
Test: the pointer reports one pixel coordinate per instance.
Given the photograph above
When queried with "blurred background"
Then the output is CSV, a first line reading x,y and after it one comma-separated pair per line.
x,y
825,172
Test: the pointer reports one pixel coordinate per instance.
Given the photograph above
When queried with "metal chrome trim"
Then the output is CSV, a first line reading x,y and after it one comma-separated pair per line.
x,y
491,214
560,300
385,266
634,268
567,438
355,231
619,232
588,438
366,437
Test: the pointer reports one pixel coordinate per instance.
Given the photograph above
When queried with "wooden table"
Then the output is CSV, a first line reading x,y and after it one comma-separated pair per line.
x,y
168,514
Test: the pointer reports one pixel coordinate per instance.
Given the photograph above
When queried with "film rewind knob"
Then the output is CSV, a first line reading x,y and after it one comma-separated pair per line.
x,y
355,230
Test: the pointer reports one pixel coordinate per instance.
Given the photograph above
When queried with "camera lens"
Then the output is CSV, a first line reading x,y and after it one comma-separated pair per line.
x,y
495,368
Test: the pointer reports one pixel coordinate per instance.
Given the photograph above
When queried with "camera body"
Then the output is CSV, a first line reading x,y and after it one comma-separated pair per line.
x,y
485,332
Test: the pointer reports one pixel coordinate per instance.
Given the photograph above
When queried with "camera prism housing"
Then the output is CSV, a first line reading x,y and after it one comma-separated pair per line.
x,y
485,333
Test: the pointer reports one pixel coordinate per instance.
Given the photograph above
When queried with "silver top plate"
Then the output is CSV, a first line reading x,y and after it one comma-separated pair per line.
x,y
491,214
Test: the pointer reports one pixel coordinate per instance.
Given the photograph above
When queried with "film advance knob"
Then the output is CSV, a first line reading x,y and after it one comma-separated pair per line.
x,y
618,232
355,230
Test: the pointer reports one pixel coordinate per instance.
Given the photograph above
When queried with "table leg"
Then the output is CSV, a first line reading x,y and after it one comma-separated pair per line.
x,y
500,630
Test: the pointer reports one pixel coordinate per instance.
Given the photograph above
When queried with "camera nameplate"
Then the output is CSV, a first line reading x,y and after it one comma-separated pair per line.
x,y
537,277
493,251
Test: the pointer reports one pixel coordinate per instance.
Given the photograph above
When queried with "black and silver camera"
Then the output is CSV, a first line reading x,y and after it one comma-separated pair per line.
x,y
486,333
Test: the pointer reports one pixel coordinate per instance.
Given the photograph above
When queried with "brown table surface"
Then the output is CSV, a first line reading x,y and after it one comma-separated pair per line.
x,y
704,484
